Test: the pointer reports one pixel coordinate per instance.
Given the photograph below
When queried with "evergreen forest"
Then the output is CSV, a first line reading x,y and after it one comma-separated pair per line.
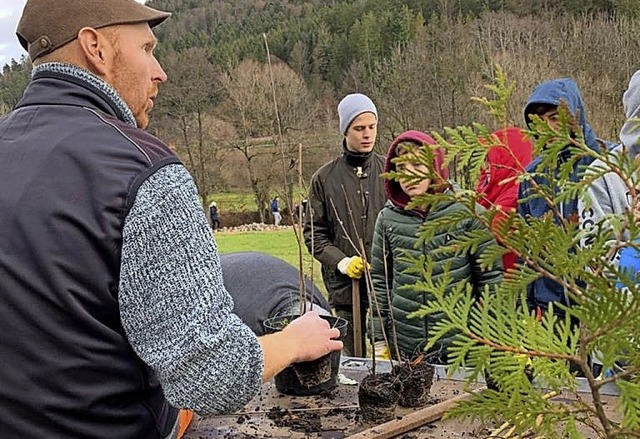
x,y
253,84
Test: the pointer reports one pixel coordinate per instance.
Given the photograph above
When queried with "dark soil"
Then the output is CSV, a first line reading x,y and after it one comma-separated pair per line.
x,y
416,383
307,422
378,396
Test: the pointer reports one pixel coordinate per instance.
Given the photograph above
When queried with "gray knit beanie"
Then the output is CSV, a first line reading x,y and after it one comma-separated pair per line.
x,y
352,106
630,133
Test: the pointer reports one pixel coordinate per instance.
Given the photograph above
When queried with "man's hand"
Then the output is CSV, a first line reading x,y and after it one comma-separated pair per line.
x,y
304,339
311,337
352,267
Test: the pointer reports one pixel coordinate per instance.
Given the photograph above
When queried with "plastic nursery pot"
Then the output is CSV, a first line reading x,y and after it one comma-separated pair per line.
x,y
308,377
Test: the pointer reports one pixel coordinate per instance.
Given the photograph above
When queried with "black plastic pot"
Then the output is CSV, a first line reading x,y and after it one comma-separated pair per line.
x,y
309,377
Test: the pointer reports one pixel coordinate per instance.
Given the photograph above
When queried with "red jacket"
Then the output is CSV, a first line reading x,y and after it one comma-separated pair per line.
x,y
497,185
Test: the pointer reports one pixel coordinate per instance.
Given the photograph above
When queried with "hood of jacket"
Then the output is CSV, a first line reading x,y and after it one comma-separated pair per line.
x,y
505,160
392,188
555,91
630,132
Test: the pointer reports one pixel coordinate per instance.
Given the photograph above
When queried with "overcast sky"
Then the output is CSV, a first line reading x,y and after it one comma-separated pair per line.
x,y
10,11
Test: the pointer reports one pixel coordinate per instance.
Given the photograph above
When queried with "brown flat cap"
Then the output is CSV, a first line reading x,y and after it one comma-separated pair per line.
x,y
46,25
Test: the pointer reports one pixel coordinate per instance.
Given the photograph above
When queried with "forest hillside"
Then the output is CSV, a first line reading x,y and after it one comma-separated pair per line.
x,y
241,119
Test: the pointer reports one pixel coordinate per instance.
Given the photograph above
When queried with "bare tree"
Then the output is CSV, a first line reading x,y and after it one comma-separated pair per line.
x,y
187,101
249,108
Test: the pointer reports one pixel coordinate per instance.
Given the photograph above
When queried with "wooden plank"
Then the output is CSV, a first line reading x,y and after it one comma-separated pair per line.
x,y
357,318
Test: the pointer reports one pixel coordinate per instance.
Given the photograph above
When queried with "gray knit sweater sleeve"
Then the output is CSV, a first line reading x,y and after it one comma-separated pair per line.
x,y
174,308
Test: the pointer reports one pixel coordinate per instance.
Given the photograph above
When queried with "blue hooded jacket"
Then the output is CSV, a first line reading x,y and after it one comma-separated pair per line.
x,y
553,92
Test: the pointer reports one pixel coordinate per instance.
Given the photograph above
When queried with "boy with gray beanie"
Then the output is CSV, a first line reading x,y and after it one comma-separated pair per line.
x,y
345,197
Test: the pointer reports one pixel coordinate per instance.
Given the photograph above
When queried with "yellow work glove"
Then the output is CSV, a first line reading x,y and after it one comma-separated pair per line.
x,y
352,267
381,351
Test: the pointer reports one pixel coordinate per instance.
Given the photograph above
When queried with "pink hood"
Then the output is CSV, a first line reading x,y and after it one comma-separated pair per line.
x,y
392,188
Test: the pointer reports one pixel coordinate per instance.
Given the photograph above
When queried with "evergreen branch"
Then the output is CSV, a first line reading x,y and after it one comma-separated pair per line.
x,y
496,333
518,351
497,431
630,403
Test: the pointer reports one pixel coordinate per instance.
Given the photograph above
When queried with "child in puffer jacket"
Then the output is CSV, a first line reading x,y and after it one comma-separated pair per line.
x,y
396,236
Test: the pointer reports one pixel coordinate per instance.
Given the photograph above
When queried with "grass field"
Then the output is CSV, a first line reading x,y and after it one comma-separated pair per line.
x,y
280,243
246,202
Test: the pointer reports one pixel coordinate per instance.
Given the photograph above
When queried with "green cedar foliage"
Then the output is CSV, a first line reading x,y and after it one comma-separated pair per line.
x,y
499,334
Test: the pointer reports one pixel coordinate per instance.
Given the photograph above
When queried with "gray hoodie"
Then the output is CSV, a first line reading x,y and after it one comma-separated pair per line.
x,y
608,194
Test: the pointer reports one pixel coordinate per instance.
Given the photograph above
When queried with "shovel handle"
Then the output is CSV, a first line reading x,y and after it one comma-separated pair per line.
x,y
357,317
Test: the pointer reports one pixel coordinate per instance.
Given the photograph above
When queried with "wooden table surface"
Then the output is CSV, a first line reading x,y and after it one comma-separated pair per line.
x,y
334,415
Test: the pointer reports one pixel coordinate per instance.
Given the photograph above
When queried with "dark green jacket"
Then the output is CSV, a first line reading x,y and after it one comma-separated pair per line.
x,y
396,235
343,204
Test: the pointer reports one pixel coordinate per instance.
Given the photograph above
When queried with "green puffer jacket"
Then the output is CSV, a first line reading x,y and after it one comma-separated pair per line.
x,y
395,236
